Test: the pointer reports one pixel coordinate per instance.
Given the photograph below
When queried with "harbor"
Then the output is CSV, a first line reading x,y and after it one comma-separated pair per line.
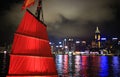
x,y
59,38
77,65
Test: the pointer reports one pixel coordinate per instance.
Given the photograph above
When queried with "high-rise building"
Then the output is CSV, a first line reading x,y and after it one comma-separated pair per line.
x,y
97,37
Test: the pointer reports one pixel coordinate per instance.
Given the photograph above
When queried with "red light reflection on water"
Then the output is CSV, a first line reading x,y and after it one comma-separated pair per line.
x,y
88,66
65,63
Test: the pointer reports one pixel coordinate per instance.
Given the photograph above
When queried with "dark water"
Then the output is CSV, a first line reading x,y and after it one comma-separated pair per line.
x,y
4,64
78,66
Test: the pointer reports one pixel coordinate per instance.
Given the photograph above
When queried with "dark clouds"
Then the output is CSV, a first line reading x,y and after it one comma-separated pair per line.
x,y
93,10
86,14
82,16
66,17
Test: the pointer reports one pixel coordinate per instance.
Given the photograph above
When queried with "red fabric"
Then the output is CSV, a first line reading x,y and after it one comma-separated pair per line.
x,y
31,55
32,27
28,3
34,76
24,45
31,65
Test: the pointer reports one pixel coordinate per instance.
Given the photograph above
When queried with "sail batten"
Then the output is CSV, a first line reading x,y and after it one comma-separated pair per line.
x,y
31,53
30,46
31,37
33,56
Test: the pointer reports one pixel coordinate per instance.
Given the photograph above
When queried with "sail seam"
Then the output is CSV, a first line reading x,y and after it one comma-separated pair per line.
x,y
25,35
32,55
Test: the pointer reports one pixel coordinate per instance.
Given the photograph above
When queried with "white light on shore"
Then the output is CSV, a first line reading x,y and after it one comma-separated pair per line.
x,y
66,47
5,52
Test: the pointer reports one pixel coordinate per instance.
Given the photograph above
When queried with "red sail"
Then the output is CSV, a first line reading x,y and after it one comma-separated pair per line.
x,y
24,45
30,26
31,54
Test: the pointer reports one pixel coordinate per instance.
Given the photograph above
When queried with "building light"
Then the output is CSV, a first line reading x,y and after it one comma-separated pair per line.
x,y
66,47
114,38
57,46
60,42
98,37
95,37
103,39
83,42
118,42
70,39
5,52
77,42
61,46
65,39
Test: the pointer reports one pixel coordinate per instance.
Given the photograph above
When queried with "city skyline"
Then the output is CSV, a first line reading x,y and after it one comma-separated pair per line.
x,y
65,18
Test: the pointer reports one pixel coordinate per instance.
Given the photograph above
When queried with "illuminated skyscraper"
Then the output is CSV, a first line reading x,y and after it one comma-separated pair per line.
x,y
97,37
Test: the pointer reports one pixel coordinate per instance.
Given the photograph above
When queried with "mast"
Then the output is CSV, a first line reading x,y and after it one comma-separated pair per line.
x,y
39,11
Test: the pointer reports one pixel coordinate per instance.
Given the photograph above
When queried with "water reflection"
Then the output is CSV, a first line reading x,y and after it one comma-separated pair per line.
x,y
116,66
65,61
4,61
59,64
88,66
78,66
104,67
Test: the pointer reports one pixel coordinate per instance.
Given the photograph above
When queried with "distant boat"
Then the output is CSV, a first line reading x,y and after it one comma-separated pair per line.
x,y
31,54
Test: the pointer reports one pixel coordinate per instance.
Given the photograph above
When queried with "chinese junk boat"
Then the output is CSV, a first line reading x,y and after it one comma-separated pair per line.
x,y
31,53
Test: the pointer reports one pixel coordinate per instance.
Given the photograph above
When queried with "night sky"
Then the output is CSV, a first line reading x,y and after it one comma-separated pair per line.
x,y
64,18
